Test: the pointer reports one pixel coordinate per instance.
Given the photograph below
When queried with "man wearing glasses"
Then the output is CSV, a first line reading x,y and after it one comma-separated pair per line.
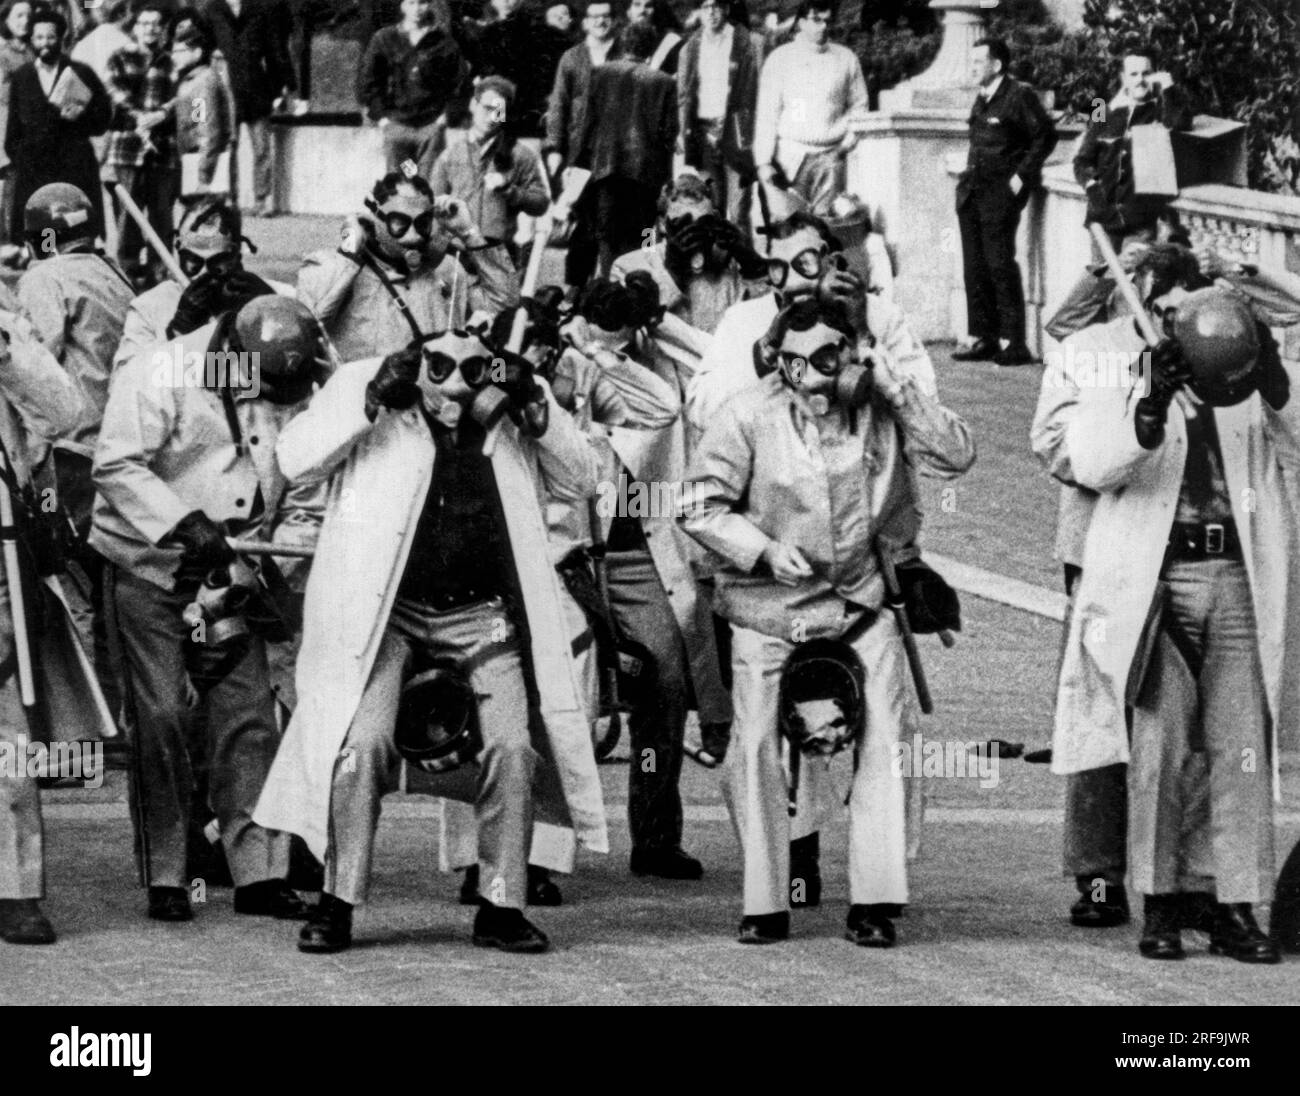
x,y
807,94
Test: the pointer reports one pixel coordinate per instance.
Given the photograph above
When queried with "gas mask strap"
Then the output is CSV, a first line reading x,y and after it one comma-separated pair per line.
x,y
368,261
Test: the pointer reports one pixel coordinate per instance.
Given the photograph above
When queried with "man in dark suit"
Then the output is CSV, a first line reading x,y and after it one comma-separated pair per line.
x,y
627,144
253,36
526,51
1010,137
55,106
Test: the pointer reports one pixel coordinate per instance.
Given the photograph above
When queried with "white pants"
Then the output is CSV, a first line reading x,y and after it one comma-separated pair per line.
x,y
758,790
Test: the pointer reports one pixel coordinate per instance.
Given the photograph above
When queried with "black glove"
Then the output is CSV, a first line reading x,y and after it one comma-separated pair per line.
x,y
1274,382
731,239
1099,210
239,288
647,311
394,386
1169,371
199,303
846,291
527,404
203,546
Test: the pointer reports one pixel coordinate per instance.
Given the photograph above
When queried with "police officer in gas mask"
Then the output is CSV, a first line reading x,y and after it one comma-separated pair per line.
x,y
208,247
186,458
792,483
702,262
1181,612
433,551
408,266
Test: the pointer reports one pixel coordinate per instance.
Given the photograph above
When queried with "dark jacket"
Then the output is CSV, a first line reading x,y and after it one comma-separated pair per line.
x,y
631,124
46,149
410,84
1105,157
567,113
1010,134
256,49
526,52
742,98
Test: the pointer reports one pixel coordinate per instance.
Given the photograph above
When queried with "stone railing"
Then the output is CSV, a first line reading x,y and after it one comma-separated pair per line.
x,y
1245,225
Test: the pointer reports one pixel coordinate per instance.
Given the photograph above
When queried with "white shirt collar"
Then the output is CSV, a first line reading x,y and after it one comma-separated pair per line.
x,y
992,89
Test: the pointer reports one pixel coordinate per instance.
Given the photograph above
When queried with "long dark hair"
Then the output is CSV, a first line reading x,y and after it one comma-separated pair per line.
x,y
5,9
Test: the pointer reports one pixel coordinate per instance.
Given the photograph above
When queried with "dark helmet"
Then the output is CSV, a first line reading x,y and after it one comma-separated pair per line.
x,y
1220,343
821,706
56,216
288,342
437,719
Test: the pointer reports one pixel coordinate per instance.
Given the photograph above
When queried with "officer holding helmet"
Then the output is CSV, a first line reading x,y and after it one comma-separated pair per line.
x,y
433,555
186,458
1176,611
411,266
794,480
208,250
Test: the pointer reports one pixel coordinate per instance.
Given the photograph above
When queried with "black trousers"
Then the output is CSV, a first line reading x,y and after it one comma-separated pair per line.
x,y
988,215
611,219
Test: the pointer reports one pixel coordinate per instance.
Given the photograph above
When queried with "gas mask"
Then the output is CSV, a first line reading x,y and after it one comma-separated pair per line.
x,y
461,370
820,361
407,232
689,229
220,603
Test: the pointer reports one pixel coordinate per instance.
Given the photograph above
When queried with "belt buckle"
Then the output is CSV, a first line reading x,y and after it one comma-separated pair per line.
x,y
1214,539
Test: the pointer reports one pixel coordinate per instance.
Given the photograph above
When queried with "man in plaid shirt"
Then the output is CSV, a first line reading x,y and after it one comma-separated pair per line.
x,y
140,153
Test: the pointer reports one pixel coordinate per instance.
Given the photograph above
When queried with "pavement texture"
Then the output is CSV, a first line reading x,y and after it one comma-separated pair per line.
x,y
987,922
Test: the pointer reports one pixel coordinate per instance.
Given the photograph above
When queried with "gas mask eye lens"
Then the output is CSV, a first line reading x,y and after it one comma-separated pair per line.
x,y
827,360
440,365
476,371
399,223
778,271
190,263
810,263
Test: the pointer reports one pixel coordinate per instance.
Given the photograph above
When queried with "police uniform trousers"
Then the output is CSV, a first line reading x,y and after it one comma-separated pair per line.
x,y
481,636
1220,708
240,736
657,726
21,863
759,790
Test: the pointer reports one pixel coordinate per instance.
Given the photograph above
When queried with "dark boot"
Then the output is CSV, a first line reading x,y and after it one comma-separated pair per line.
x,y
508,930
542,890
1101,905
22,922
805,871
870,926
271,898
329,927
469,887
1200,912
1160,936
170,904
764,928
1237,935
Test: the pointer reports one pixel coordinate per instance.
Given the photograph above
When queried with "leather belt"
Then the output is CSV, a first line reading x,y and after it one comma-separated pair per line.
x,y
1204,540
457,599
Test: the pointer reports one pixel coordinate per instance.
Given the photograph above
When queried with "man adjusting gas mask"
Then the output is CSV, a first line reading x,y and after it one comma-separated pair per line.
x,y
208,252
456,373
698,239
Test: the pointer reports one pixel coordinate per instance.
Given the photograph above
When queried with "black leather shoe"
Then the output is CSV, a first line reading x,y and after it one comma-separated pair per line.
x,y
271,898
1237,935
542,890
805,871
507,929
1160,936
869,927
329,928
765,928
666,864
981,350
1199,911
1014,355
22,922
170,904
1109,909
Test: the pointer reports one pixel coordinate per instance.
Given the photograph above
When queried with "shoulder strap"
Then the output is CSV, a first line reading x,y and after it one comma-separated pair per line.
x,y
368,260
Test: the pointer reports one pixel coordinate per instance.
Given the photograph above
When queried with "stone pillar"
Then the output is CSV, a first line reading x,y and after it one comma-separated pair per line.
x,y
947,83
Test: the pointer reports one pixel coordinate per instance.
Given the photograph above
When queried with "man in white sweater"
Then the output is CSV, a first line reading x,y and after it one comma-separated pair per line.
x,y
807,93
